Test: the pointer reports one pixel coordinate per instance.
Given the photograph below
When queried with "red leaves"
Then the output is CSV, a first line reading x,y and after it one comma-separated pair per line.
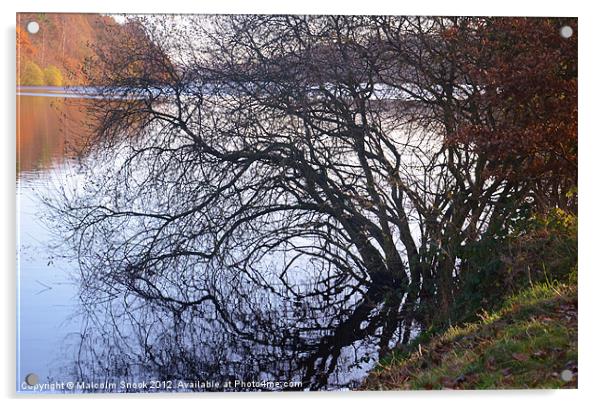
x,y
525,119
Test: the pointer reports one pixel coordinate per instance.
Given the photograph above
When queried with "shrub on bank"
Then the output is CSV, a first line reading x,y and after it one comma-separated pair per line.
x,y
540,248
30,74
53,76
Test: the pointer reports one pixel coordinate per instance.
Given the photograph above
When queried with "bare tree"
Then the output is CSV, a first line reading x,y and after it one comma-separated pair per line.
x,y
305,156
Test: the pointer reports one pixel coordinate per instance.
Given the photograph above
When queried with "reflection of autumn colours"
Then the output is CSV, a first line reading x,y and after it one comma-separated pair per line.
x,y
48,131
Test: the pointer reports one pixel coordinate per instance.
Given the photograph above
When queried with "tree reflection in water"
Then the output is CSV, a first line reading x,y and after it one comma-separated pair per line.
x,y
284,197
250,215
244,332
295,305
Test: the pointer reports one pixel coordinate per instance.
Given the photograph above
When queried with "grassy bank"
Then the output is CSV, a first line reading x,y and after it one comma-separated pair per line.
x,y
528,342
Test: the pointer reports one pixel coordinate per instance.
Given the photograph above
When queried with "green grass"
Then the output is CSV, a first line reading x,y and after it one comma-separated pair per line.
x,y
527,343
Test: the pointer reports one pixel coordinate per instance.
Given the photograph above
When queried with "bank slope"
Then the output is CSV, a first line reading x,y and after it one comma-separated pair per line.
x,y
531,342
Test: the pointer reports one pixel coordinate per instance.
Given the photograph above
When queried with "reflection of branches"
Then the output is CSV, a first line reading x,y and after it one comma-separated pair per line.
x,y
248,335
269,163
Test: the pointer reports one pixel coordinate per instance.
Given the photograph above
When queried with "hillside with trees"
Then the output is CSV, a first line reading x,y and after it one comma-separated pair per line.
x,y
64,50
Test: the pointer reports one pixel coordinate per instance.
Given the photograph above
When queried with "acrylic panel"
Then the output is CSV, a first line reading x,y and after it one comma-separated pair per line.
x,y
295,203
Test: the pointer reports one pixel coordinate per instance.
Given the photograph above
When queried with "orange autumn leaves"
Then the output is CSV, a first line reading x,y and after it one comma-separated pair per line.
x,y
44,58
65,51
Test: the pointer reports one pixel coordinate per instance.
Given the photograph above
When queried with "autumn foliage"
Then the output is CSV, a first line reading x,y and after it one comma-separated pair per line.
x,y
65,48
53,76
528,75
31,74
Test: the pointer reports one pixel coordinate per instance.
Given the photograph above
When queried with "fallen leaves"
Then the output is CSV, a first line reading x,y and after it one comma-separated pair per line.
x,y
521,357
534,350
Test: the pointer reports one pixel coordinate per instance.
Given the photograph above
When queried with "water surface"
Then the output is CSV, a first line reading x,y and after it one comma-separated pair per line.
x,y
47,131
67,334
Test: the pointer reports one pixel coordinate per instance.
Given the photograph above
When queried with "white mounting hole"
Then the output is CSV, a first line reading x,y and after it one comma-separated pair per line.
x,y
32,379
566,31
33,27
566,375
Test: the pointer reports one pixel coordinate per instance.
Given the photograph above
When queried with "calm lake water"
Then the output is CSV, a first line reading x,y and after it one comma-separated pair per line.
x,y
316,343
47,292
